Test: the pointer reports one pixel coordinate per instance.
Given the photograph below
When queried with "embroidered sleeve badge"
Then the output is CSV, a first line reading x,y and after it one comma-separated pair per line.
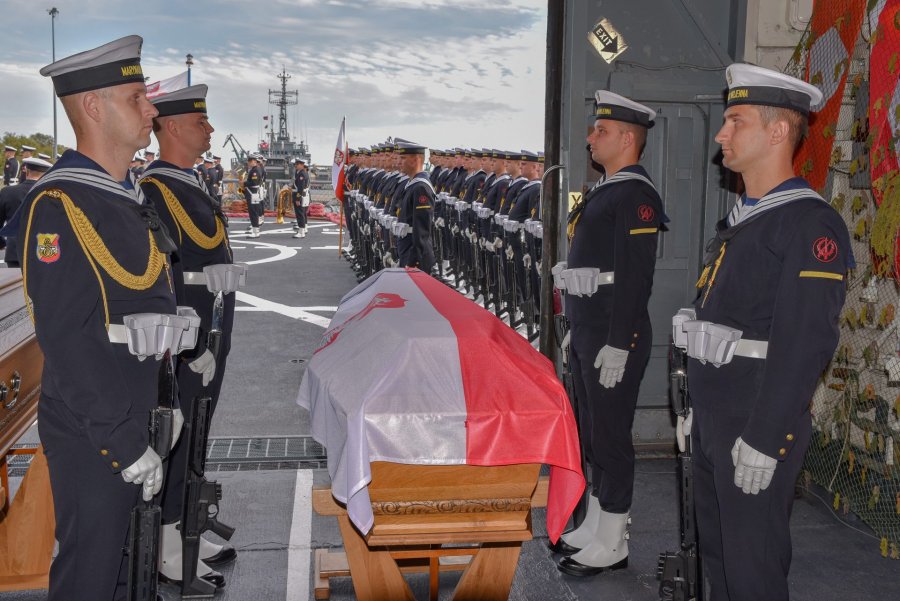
x,y
825,249
423,200
646,213
48,248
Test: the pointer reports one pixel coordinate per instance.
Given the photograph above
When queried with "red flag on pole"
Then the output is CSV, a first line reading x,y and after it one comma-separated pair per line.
x,y
340,159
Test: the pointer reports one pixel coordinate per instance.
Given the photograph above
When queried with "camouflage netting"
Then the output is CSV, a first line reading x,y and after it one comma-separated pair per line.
x,y
852,51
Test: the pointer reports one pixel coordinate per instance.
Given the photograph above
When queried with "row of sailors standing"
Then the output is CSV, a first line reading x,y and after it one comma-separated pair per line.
x,y
208,168
479,205
13,170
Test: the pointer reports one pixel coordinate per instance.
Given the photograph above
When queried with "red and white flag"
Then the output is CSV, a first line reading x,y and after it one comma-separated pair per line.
x,y
410,371
340,159
158,88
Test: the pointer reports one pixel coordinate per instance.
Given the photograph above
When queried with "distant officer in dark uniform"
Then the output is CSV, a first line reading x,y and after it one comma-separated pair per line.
x,y
774,275
84,276
220,179
210,178
27,153
200,232
11,166
149,156
301,189
416,206
11,198
613,240
252,191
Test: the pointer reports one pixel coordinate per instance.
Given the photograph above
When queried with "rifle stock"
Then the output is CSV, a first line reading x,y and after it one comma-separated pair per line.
x,y
680,572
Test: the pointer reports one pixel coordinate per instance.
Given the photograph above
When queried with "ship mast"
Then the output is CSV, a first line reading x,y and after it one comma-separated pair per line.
x,y
282,99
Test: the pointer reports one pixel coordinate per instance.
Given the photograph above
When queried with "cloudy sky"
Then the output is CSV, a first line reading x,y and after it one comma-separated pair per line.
x,y
441,72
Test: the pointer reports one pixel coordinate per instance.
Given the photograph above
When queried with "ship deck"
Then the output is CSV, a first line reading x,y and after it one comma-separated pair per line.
x,y
262,453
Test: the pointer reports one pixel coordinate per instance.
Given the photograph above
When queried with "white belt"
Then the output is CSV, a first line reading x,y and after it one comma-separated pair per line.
x,y
754,349
195,278
118,333
711,342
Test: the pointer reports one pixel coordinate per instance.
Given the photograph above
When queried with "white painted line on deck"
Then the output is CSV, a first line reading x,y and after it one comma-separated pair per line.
x,y
323,248
284,252
302,313
299,550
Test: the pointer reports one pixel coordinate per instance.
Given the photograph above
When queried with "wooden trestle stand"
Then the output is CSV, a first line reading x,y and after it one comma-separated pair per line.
x,y
424,513
27,524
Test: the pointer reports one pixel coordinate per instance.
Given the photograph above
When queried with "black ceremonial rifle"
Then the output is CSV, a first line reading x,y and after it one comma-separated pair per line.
x,y
143,549
201,497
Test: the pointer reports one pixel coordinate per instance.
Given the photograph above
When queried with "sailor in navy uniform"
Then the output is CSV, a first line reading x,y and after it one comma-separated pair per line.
x,y
220,179
301,189
252,189
92,254
200,232
11,166
11,198
27,153
210,171
612,256
519,210
416,207
774,276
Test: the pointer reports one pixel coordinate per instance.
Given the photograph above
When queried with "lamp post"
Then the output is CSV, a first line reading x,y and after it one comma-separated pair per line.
x,y
189,62
53,12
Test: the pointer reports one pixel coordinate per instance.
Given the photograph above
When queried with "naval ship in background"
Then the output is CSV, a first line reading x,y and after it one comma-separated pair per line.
x,y
278,147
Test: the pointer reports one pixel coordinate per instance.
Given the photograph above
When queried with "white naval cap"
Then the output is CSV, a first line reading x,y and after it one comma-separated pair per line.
x,y
191,99
36,164
749,84
41,155
26,148
112,64
10,148
609,105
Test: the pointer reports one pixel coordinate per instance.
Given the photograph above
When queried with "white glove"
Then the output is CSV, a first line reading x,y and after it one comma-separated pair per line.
x,y
205,364
611,363
177,423
498,243
147,471
753,471
683,429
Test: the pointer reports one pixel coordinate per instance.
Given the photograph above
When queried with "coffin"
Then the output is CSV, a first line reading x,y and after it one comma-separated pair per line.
x,y
21,362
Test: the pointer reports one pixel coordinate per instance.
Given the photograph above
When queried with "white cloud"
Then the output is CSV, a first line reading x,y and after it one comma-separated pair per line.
x,y
445,73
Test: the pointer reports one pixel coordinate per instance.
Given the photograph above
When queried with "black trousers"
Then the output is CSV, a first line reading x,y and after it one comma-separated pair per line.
x,y
745,540
607,414
300,212
254,210
92,506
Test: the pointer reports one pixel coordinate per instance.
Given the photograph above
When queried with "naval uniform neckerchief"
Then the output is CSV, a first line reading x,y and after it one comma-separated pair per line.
x,y
579,207
740,216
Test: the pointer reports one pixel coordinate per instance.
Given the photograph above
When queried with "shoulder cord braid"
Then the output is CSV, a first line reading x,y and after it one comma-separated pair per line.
x,y
96,252
184,222
706,278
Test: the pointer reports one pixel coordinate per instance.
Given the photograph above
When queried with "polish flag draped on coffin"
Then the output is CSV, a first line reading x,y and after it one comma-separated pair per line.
x,y
412,372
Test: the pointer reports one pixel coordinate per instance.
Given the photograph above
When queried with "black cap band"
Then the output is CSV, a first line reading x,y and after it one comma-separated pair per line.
x,y
181,107
770,96
101,76
621,113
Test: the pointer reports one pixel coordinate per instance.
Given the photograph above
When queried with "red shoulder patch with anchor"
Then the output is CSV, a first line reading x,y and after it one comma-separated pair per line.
x,y
423,199
825,249
646,213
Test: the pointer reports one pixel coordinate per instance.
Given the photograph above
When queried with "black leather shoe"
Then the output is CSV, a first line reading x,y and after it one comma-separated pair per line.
x,y
226,555
573,568
561,547
214,578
